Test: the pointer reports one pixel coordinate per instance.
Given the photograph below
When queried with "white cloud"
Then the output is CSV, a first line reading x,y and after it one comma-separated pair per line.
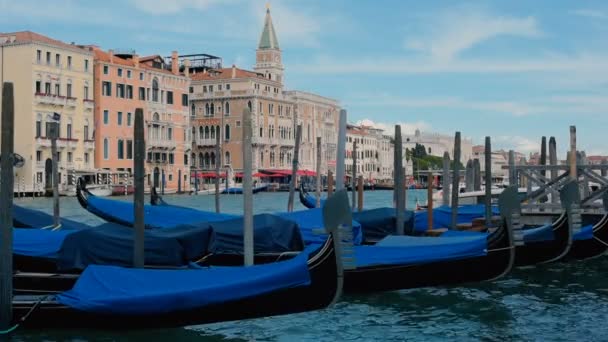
x,y
389,128
164,7
456,31
452,103
582,62
591,13
516,143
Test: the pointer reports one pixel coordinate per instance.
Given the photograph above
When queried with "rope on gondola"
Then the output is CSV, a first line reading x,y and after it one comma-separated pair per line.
x,y
22,319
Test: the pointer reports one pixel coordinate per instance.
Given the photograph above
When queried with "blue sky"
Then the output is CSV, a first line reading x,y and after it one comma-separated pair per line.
x,y
513,70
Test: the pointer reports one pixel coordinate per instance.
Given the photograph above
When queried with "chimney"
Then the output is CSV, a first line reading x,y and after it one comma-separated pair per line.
x,y
136,60
111,52
187,67
233,71
174,66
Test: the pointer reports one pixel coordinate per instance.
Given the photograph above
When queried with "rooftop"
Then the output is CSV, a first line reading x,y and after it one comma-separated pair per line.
x,y
33,37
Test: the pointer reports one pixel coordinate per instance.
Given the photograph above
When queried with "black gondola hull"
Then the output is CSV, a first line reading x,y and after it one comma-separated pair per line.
x,y
319,294
532,253
495,264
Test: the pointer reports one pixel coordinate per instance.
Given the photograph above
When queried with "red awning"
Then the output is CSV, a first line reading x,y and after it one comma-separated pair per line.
x,y
210,175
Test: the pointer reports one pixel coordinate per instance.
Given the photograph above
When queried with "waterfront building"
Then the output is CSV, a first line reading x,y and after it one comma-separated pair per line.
x,y
498,160
49,76
375,153
436,144
124,82
219,96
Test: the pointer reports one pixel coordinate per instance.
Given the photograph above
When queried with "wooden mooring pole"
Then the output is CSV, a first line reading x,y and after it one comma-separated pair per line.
x,y
318,187
553,162
294,169
55,157
6,205
360,193
455,180
476,175
429,200
138,193
330,183
353,181
341,151
488,181
218,165
446,178
573,169
399,181
247,185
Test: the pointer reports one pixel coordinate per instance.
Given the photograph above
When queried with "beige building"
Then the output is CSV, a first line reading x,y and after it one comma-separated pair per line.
x,y
375,153
49,77
218,98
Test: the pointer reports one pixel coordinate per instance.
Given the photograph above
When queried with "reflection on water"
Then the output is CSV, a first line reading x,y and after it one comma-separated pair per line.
x,y
556,302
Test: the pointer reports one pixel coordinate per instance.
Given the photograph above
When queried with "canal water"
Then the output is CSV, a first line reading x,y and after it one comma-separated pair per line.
x,y
556,302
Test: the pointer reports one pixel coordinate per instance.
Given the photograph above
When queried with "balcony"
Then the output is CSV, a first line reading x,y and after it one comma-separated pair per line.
x,y
69,143
48,99
161,144
46,142
43,142
88,104
89,144
70,102
205,142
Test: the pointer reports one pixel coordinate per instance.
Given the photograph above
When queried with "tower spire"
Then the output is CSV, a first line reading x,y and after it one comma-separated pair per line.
x,y
268,39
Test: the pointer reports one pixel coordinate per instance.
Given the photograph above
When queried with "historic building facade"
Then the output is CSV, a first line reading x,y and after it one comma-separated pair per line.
x,y
218,98
124,82
49,77
375,154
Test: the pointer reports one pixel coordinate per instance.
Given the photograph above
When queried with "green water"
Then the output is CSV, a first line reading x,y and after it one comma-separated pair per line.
x,y
556,302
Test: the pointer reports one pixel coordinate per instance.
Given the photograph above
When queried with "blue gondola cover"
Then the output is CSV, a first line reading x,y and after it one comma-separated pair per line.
x,y
378,223
404,250
311,219
113,245
116,290
585,233
442,216
41,243
272,234
161,216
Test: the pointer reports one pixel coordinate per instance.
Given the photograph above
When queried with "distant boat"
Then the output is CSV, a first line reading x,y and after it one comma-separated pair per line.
x,y
239,190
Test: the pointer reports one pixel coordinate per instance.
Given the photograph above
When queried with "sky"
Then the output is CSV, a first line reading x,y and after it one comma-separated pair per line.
x,y
512,70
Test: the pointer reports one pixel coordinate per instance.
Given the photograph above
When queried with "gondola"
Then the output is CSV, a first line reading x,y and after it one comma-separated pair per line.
x,y
111,297
307,200
93,301
401,262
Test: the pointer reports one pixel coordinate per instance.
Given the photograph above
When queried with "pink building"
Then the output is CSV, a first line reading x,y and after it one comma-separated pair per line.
x,y
123,82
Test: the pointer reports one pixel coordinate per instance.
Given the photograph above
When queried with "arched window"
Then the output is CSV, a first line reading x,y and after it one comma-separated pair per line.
x,y
106,148
201,160
212,160
227,108
193,112
217,129
227,157
207,161
249,106
200,132
262,158
206,132
213,132
155,89
193,132
227,133
193,157
212,108
207,111
155,117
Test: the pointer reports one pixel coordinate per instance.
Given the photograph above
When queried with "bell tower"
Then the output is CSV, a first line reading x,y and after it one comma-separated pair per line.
x,y
268,55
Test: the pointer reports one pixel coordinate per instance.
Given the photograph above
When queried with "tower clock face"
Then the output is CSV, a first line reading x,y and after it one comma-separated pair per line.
x,y
276,58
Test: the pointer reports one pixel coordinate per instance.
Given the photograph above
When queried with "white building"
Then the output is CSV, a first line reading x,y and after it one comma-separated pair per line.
x,y
374,153
436,144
